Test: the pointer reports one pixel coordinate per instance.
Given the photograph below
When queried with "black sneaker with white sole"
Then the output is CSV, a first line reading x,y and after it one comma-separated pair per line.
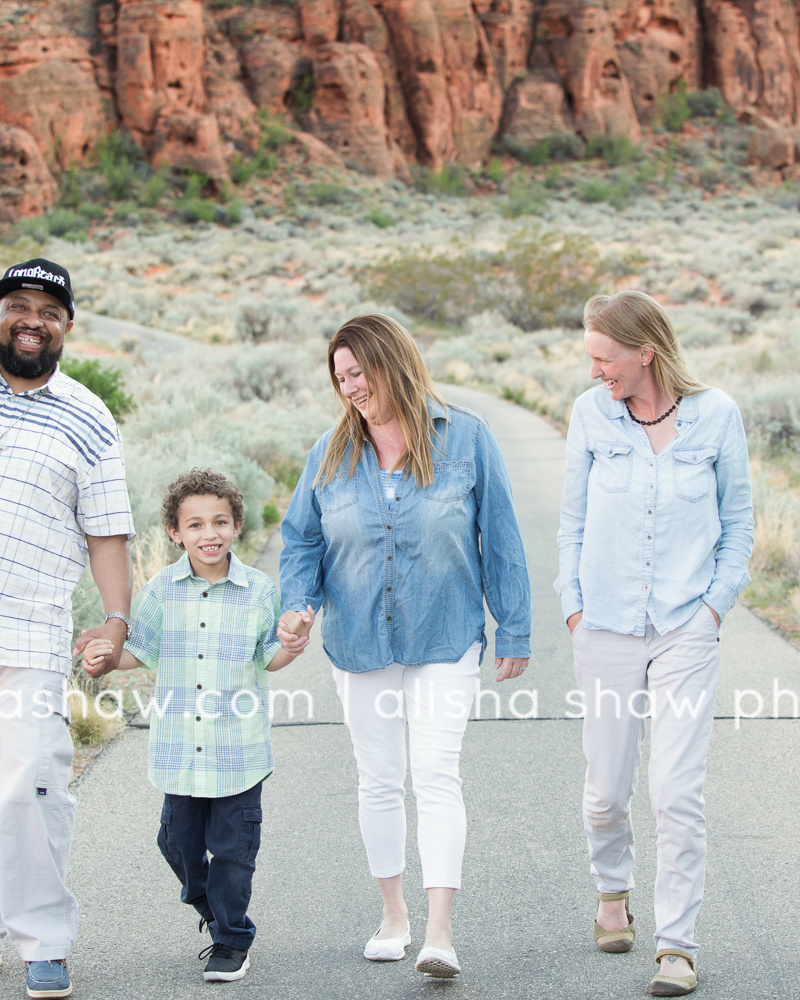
x,y
224,964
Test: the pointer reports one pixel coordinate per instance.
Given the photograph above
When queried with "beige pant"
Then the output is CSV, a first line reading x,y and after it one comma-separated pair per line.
x,y
671,678
37,815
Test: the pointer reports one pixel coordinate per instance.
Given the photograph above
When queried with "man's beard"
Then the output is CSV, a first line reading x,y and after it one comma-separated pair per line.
x,y
19,366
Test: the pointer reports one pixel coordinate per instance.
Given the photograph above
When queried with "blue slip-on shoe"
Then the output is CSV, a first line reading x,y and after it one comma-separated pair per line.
x,y
48,979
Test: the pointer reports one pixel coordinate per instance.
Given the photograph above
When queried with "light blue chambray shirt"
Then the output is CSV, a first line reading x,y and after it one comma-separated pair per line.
x,y
406,584
644,534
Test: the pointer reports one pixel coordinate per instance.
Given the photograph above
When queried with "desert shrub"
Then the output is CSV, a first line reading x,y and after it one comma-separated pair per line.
x,y
450,181
560,146
121,160
708,103
617,192
274,131
379,218
614,150
156,187
302,96
197,210
534,281
326,193
63,222
526,197
494,170
674,108
270,514
107,383
772,414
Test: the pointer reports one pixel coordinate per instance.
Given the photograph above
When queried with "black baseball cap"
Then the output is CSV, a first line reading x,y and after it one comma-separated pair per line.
x,y
42,276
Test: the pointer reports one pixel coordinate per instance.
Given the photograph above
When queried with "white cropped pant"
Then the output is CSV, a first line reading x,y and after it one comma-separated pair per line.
x,y
435,700
37,815
673,679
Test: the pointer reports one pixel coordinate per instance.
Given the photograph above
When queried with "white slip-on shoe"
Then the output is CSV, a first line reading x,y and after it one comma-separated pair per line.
x,y
387,949
438,963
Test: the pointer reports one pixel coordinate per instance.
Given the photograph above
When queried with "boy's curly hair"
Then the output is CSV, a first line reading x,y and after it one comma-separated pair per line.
x,y
200,482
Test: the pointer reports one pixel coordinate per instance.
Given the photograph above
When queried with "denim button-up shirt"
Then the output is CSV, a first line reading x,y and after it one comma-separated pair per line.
x,y
645,534
406,584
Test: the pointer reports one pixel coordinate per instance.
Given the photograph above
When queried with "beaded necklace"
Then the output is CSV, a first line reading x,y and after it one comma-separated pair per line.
x,y
649,423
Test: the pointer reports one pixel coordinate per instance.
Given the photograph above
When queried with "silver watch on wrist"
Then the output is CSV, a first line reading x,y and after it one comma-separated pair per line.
x,y
124,618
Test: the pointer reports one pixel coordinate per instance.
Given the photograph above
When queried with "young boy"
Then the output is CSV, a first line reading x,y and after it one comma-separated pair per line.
x,y
210,625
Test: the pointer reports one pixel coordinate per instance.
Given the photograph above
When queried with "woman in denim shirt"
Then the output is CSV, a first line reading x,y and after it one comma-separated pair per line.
x,y
656,531
400,525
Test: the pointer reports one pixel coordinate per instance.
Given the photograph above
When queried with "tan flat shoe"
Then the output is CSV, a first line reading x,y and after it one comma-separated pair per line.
x,y
674,986
615,942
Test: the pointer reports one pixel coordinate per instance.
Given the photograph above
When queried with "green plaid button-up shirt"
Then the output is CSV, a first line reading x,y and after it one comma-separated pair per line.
x,y
209,717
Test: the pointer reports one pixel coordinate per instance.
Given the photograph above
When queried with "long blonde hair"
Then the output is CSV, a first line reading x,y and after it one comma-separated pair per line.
x,y
635,319
387,355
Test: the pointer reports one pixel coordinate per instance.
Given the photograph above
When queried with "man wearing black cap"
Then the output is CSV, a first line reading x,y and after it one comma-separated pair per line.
x,y
62,498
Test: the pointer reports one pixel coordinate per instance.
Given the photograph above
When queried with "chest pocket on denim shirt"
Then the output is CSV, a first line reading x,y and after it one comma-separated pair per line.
x,y
693,473
451,481
614,463
340,492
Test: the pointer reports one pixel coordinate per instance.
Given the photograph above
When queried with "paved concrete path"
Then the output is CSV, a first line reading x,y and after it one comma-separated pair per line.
x,y
523,919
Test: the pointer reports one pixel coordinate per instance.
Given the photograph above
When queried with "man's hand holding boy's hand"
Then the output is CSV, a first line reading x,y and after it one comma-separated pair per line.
x,y
294,628
97,655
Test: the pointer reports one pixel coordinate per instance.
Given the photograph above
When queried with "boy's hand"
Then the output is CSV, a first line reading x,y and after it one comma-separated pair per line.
x,y
97,655
294,628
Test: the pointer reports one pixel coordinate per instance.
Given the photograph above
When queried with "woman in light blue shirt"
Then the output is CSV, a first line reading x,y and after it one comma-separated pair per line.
x,y
401,524
656,531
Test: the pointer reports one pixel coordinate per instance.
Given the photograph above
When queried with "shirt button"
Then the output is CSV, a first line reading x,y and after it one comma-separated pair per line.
x,y
397,498
197,718
388,588
199,687
646,587
388,527
205,593
202,624
388,559
649,538
388,618
199,749
199,657
647,564
649,512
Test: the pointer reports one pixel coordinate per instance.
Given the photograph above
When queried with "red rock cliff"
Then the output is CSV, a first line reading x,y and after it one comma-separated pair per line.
x,y
382,82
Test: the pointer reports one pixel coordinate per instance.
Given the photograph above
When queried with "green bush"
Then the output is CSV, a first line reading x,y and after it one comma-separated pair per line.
x,y
107,383
270,515
559,146
379,218
534,282
197,210
274,131
615,150
494,170
156,187
708,103
449,181
121,160
302,96
326,193
674,108
525,198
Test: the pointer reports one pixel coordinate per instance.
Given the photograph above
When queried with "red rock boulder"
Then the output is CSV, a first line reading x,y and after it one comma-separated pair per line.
x,y
26,185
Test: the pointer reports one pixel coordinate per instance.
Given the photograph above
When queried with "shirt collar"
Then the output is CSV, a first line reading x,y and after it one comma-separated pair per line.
x,y
182,570
614,408
58,384
436,411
